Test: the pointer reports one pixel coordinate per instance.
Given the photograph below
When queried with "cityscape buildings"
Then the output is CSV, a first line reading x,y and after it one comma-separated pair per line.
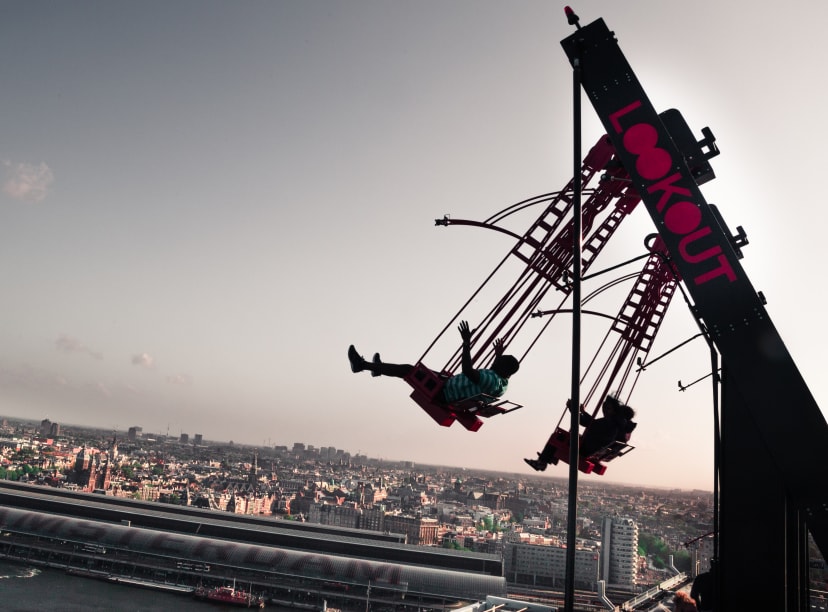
x,y
516,517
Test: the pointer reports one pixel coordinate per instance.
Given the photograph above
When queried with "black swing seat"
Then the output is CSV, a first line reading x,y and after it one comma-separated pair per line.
x,y
594,464
428,385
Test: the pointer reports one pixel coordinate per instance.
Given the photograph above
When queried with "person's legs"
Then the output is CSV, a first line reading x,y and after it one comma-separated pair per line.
x,y
536,464
377,367
399,370
358,363
547,455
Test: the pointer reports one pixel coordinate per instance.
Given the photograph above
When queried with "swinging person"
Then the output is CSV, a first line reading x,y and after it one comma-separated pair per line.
x,y
489,382
616,425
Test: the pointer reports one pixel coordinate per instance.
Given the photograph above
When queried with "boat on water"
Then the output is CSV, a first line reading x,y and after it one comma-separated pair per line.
x,y
229,595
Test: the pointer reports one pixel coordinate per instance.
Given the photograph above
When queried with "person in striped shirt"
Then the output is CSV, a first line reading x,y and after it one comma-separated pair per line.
x,y
489,383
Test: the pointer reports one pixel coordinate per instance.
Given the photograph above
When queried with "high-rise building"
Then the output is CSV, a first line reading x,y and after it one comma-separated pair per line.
x,y
619,551
135,432
45,427
197,439
184,438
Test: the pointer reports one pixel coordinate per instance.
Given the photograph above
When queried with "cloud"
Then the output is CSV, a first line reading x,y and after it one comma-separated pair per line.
x,y
143,360
27,182
69,344
100,389
184,380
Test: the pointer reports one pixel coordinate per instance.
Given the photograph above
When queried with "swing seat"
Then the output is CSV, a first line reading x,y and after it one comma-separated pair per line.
x,y
594,464
428,385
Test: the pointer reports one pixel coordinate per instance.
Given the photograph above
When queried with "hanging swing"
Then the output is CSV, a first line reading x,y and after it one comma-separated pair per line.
x,y
427,391
637,324
546,251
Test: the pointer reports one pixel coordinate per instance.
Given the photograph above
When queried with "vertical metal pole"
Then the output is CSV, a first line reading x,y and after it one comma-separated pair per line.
x,y
717,440
719,402
575,395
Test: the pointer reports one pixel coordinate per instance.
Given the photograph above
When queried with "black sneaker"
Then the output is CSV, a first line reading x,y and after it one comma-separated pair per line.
x,y
377,363
357,362
535,464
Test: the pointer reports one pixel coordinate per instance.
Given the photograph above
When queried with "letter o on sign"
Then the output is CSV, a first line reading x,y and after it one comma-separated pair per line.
x,y
653,162
682,217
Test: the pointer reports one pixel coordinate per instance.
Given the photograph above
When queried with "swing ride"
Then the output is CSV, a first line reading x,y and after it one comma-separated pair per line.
x,y
545,252
769,453
653,158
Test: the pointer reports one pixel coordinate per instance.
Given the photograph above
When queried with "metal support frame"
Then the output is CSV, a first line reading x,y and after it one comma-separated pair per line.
x,y
575,394
773,436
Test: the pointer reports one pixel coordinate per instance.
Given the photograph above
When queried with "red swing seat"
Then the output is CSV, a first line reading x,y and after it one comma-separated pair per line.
x,y
428,385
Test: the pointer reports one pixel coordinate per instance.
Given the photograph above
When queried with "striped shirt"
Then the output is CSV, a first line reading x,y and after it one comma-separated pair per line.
x,y
460,387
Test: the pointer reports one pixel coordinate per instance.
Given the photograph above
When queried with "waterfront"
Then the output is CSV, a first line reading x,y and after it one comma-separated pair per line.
x,y
26,589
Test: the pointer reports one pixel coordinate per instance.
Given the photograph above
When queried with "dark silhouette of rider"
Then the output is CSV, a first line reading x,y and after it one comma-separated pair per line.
x,y
615,425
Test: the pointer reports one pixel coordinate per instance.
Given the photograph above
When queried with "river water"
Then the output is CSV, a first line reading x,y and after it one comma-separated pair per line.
x,y
28,589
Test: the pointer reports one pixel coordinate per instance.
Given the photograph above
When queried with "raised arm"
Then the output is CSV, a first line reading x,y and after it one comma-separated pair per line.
x,y
585,418
468,369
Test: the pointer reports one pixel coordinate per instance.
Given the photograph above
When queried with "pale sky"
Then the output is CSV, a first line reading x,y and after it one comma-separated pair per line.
x,y
204,203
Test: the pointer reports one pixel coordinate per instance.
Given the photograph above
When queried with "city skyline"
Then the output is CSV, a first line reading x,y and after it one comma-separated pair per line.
x,y
205,203
74,429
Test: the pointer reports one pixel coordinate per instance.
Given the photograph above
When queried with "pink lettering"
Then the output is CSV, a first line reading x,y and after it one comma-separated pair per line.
x,y
640,138
620,113
653,162
666,185
682,217
685,243
723,269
